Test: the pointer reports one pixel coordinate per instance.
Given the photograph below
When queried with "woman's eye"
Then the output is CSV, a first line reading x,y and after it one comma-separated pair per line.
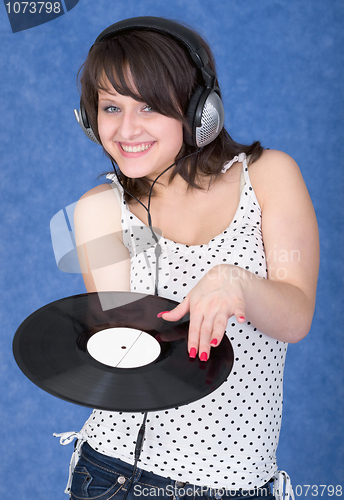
x,y
111,109
147,108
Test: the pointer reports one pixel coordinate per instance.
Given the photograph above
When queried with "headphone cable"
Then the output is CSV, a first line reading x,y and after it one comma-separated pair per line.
x,y
141,433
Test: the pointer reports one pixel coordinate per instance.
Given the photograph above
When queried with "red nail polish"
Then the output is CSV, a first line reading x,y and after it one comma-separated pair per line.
x,y
242,317
213,342
204,356
192,352
160,314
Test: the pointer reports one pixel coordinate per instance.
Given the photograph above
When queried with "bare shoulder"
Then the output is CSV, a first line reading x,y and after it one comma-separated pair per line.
x,y
99,198
102,188
276,174
273,155
273,164
98,212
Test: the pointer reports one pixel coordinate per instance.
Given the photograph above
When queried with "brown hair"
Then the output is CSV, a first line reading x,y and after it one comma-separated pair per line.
x,y
164,77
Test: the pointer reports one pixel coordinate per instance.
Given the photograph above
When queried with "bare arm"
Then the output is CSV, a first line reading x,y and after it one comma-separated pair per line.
x,y
287,298
103,258
281,306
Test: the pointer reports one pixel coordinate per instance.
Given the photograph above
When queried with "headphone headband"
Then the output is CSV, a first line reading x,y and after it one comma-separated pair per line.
x,y
161,25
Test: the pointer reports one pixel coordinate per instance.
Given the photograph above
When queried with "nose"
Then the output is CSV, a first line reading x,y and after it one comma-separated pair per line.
x,y
130,125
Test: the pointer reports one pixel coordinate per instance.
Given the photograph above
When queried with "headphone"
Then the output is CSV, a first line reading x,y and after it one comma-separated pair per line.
x,y
205,112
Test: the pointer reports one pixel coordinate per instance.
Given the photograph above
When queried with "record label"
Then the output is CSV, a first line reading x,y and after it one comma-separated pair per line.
x,y
123,347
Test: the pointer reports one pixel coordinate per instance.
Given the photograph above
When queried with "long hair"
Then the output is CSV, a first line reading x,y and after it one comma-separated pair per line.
x,y
163,76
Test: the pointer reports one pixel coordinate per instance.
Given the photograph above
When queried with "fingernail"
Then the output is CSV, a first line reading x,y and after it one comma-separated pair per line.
x,y
213,342
242,317
192,352
160,314
204,356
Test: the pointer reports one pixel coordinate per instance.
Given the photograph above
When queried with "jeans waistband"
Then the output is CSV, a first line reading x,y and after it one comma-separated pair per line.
x,y
176,488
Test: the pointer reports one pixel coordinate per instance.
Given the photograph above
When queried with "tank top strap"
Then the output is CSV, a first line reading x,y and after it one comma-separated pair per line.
x,y
241,158
119,192
117,187
244,177
129,222
247,185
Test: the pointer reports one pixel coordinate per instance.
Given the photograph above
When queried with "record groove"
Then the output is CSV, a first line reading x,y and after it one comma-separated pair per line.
x,y
50,347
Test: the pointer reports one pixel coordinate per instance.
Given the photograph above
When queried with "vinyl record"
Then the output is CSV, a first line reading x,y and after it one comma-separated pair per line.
x,y
120,359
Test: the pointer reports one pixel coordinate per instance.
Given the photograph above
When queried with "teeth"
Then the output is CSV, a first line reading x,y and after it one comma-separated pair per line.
x,y
135,149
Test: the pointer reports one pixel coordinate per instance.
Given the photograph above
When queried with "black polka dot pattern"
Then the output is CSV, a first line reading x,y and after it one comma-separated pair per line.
x,y
229,438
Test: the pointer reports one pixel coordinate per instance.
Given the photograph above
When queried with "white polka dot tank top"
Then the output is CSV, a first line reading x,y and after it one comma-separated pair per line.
x,y
229,438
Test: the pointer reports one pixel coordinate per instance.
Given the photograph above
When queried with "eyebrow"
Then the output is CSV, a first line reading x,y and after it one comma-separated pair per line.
x,y
105,98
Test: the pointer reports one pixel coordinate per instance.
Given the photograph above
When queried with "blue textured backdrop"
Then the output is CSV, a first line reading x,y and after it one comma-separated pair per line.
x,y
280,64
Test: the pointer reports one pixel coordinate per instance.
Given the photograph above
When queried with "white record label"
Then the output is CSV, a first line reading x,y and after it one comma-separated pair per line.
x,y
123,347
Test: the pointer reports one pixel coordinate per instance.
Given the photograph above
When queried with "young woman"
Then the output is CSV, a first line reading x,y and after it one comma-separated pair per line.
x,y
239,252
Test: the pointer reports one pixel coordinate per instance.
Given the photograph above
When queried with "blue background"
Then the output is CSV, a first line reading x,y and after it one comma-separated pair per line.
x,y
280,65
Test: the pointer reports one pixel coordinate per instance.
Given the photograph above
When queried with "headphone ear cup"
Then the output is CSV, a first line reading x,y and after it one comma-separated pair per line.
x,y
210,117
190,135
82,119
205,116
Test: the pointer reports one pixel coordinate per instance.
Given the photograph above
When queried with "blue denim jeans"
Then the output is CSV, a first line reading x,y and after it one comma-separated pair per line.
x,y
99,477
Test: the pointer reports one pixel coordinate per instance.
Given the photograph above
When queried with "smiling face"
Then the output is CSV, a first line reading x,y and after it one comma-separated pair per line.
x,y
142,141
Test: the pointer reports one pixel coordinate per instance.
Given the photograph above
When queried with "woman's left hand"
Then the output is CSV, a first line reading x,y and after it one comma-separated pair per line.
x,y
216,297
